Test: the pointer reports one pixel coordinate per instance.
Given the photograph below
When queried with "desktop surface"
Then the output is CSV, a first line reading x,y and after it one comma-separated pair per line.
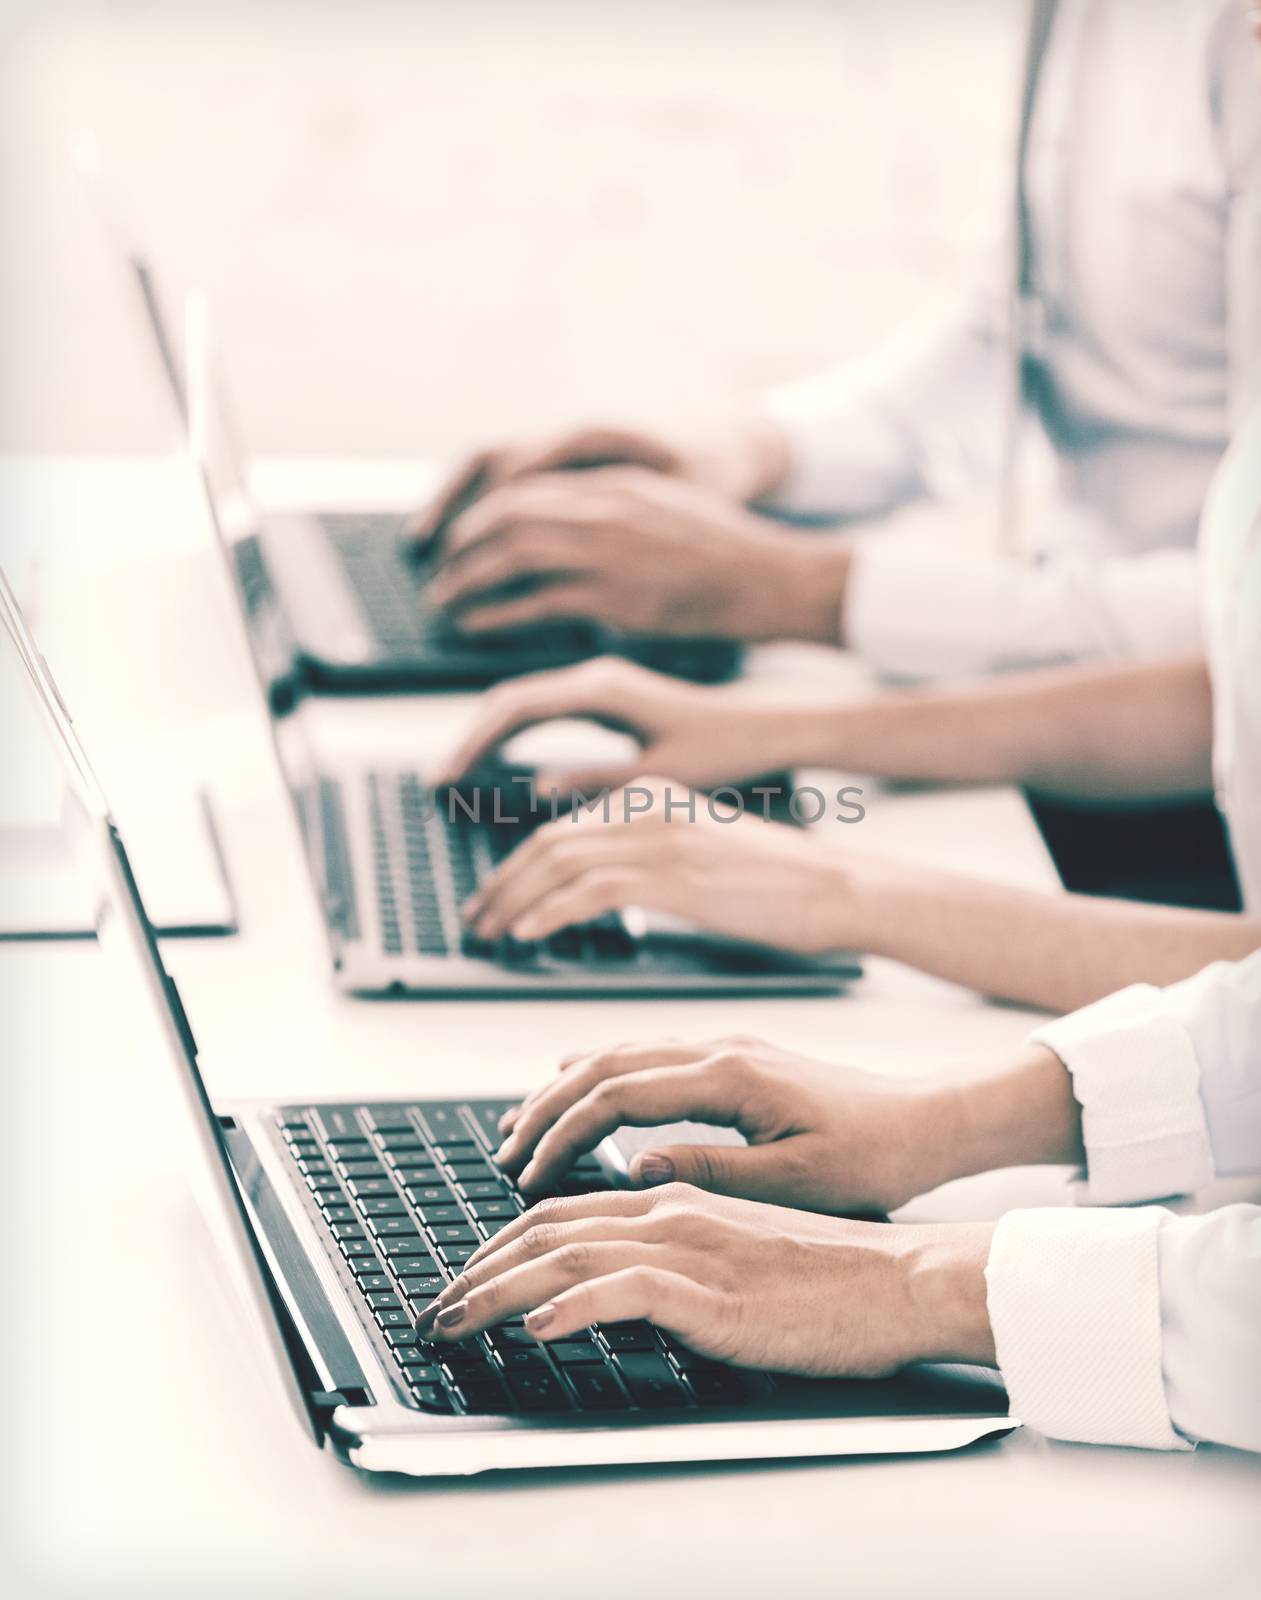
x,y
152,1447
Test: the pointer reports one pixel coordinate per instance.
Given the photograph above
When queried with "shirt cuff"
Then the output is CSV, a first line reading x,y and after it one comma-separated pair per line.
x,y
848,458
1074,1304
1136,1077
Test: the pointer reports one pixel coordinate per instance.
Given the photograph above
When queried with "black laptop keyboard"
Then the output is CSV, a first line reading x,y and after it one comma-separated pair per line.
x,y
391,589
428,857
403,1195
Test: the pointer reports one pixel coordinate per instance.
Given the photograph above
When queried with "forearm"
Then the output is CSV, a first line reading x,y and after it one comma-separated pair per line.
x,y
1080,732
1057,952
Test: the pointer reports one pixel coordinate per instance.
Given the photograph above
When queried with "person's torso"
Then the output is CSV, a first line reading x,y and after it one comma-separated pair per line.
x,y
1127,183
1230,563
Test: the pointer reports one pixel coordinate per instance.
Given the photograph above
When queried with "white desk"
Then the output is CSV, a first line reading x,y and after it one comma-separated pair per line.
x,y
153,1453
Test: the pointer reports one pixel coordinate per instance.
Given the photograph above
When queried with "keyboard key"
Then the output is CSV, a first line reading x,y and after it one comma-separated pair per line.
x,y
383,1205
347,1230
537,1391
363,1188
512,1338
441,1120
597,1389
335,1211
350,1149
365,1267
411,1173
375,1283
358,1249
432,1397
465,1363
574,1352
438,1216
390,1119
519,1358
453,1233
293,1121
324,1184
457,1150
455,1255
485,1189
650,1380
382,1300
421,1291
395,1337
482,1396
408,1245
486,1113
405,1146
338,1122
362,1169
414,1266
471,1170
393,1317
716,1385
394,1228
493,1226
414,1357
629,1336
493,1210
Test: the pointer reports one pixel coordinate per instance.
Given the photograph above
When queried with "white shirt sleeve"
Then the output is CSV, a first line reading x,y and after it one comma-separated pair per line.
x,y
922,415
952,611
1139,1327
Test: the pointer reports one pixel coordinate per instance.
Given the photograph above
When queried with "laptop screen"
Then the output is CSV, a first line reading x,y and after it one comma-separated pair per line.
x,y
140,982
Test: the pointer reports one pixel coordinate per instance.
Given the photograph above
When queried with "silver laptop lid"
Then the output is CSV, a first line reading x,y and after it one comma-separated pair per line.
x,y
126,935
108,199
236,533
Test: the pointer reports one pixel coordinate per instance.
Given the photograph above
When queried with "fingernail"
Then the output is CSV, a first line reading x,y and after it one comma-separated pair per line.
x,y
509,1120
653,1169
452,1317
527,1176
527,928
425,1318
503,1154
541,1318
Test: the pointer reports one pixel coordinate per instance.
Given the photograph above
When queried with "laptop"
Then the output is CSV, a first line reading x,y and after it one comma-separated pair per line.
x,y
350,596
338,1220
392,861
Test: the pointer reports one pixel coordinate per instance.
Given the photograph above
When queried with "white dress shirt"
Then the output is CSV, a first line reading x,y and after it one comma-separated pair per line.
x,y
1143,188
1230,558
1136,1326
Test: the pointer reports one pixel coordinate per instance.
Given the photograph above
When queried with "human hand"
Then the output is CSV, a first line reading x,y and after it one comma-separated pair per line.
x,y
640,552
703,735
742,461
819,1136
740,1281
658,844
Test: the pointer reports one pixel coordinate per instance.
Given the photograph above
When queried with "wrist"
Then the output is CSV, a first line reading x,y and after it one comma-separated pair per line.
x,y
941,1272
1021,1113
764,456
803,587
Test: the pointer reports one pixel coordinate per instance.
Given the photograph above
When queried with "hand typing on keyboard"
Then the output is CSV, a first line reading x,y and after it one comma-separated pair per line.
x,y
659,846
825,1137
637,551
701,735
736,1280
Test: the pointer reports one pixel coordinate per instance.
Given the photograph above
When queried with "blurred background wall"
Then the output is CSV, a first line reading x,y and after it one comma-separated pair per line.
x,y
425,222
